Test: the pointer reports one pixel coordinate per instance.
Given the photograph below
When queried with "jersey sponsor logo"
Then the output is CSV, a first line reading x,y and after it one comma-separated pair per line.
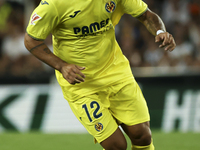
x,y
98,127
34,18
45,2
93,27
75,13
110,6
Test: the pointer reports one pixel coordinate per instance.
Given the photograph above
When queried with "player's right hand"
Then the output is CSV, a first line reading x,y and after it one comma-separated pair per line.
x,y
72,73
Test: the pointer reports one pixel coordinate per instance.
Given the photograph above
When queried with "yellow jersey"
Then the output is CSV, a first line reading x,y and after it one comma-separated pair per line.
x,y
84,34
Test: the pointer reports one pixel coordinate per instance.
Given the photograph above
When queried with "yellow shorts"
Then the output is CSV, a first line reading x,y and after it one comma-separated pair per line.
x,y
102,112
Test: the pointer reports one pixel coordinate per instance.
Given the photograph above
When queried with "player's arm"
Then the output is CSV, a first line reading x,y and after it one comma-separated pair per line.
x,y
72,73
154,24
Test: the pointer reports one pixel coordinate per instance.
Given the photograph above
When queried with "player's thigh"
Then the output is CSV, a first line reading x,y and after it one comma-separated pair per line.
x,y
128,105
94,116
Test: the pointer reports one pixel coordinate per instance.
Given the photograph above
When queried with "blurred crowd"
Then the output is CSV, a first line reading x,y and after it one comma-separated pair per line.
x,y
181,17
182,20
17,64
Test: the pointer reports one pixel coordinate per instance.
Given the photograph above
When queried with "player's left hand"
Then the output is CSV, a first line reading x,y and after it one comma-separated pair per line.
x,y
167,41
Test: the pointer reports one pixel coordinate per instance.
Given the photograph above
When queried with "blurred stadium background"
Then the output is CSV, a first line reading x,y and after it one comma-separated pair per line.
x,y
34,114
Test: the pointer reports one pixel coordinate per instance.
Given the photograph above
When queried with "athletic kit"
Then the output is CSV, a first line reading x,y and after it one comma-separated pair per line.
x,y
84,34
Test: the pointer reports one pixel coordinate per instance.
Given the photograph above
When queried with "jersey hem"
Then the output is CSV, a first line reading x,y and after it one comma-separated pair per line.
x,y
139,121
98,89
34,37
141,13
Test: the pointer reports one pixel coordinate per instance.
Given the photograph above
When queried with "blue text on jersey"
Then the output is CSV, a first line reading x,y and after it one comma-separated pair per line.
x,y
93,27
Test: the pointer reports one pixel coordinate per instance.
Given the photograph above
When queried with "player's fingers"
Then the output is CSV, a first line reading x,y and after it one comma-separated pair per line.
x,y
168,45
80,68
70,80
172,45
80,73
168,48
75,76
77,71
70,74
73,80
157,39
77,81
165,41
79,78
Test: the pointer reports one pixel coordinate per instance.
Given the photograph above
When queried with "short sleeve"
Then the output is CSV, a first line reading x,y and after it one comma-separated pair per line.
x,y
43,20
134,7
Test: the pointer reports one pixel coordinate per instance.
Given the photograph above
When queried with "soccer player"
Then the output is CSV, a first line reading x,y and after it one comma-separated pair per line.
x,y
94,75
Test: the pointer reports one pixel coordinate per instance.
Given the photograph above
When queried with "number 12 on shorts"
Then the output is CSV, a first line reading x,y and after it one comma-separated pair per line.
x,y
95,113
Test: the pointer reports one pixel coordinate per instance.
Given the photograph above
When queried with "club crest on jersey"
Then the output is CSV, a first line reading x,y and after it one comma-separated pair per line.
x,y
98,127
34,18
110,6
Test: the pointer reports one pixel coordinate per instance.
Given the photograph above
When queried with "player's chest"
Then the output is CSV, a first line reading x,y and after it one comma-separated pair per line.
x,y
83,12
